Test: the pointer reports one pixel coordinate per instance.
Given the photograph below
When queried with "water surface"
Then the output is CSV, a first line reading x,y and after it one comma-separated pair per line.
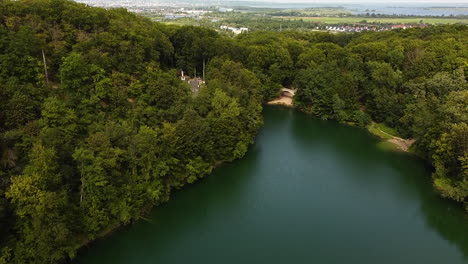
x,y
308,191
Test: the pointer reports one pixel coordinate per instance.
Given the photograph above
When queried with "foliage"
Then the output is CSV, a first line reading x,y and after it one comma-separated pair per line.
x,y
110,131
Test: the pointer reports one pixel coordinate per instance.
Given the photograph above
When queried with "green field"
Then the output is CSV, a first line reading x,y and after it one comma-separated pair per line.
x,y
390,20
191,22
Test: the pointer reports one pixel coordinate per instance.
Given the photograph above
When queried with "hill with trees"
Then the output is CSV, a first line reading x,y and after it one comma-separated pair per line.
x,y
96,128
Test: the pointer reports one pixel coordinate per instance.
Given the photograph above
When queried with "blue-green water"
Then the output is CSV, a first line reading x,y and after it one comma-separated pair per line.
x,y
308,191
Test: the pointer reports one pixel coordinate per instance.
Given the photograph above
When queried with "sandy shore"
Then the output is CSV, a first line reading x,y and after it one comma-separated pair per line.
x,y
402,144
283,100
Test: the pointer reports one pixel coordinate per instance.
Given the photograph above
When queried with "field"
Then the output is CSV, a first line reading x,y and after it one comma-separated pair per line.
x,y
389,20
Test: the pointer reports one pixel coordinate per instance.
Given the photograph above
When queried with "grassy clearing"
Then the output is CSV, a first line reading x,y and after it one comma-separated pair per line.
x,y
388,130
179,22
344,20
376,129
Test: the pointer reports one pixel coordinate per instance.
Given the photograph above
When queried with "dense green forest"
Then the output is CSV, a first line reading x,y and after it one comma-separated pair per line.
x,y
96,128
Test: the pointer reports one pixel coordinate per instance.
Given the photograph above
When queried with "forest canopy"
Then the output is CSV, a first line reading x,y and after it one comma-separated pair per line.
x,y
96,127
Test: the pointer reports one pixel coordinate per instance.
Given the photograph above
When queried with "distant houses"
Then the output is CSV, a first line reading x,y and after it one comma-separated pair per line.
x,y
360,28
224,9
173,16
338,28
401,26
182,13
234,30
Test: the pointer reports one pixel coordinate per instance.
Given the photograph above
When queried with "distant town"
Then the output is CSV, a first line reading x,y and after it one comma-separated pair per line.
x,y
236,20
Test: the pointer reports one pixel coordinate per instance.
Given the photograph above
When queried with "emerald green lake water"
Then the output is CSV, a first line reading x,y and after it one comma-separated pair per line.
x,y
308,191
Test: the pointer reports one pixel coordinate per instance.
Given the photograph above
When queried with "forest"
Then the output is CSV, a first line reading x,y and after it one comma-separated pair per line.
x,y
96,128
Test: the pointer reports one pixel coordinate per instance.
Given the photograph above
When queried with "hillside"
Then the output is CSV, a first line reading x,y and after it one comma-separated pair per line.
x,y
96,127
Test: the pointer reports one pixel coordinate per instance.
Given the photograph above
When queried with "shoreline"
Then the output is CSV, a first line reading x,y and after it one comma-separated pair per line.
x,y
399,143
282,100
402,144
86,243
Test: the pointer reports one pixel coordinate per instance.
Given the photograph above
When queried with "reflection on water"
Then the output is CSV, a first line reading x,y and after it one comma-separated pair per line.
x,y
413,177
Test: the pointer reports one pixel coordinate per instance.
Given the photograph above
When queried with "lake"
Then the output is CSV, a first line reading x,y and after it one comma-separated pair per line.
x,y
308,191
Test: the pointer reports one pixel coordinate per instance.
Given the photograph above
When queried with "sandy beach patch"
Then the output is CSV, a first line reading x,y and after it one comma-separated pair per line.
x,y
402,144
283,100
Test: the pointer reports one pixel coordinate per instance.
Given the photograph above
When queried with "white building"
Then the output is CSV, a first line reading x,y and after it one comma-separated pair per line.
x,y
234,30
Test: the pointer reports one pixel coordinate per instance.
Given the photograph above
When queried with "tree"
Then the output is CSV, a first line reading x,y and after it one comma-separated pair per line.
x,y
450,160
41,203
102,175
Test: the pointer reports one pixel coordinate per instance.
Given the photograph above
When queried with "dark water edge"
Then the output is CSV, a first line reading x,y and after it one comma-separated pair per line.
x,y
308,191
